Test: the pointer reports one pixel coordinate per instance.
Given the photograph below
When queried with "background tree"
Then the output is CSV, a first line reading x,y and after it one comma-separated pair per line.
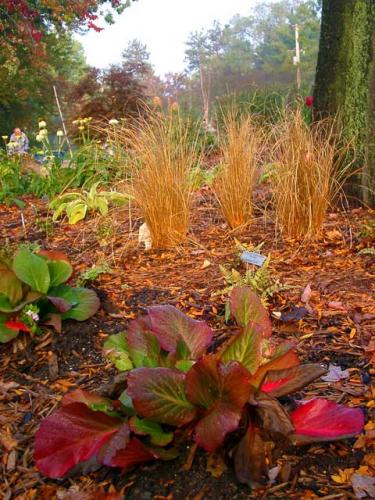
x,y
345,79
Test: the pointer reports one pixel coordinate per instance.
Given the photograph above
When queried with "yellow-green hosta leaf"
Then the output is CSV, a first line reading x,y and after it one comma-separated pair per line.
x,y
59,210
102,204
76,212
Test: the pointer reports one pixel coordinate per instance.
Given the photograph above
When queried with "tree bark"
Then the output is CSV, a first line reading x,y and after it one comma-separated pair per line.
x,y
345,80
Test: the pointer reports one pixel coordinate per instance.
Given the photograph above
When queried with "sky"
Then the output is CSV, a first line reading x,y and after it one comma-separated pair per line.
x,y
163,25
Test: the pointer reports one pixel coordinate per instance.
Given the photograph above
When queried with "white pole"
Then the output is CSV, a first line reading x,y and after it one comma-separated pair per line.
x,y
298,57
62,121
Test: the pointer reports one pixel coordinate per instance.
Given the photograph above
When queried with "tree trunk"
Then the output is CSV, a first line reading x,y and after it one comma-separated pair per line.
x,y
345,80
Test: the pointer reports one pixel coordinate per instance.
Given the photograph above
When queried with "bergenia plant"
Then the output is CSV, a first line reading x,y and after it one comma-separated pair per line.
x,y
178,388
33,291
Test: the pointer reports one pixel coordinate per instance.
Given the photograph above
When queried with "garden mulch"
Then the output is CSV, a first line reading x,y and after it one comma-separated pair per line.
x,y
336,283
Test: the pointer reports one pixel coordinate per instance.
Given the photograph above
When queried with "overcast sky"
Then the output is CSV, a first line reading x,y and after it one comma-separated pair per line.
x,y
163,25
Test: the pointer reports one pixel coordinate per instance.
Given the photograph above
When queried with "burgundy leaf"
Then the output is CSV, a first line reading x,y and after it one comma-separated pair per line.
x,y
216,424
54,320
172,326
222,390
134,453
284,357
114,445
61,304
324,420
250,458
159,395
278,383
246,307
70,435
209,380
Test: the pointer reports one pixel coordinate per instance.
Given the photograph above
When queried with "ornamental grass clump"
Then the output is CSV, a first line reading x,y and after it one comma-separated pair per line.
x,y
177,386
163,154
307,174
240,145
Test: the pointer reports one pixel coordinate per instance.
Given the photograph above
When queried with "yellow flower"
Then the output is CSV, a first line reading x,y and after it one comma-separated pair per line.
x,y
42,124
81,127
113,122
60,133
4,137
39,138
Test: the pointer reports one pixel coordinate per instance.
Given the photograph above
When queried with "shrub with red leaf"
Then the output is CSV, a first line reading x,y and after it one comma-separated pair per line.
x,y
225,397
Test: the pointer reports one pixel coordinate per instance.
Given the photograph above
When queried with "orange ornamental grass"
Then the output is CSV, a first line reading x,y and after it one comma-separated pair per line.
x,y
163,154
308,174
240,146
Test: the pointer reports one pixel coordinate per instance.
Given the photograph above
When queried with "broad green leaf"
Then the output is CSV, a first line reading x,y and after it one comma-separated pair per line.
x,y
184,365
145,427
84,302
32,270
60,271
76,212
58,211
117,350
127,403
143,346
158,394
245,347
247,307
10,286
102,204
6,306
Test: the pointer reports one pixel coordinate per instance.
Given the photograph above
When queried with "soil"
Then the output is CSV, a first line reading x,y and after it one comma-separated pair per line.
x,y
37,371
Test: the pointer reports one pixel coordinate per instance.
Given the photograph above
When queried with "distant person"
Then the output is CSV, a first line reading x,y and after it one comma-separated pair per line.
x,y
18,143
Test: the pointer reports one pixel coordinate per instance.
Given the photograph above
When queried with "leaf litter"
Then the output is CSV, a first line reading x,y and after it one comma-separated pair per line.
x,y
37,372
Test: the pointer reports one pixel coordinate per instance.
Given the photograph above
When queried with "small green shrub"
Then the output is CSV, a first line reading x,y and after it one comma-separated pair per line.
x,y
33,291
76,205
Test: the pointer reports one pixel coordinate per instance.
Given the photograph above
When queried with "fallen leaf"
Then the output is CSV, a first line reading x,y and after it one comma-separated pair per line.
x,y
363,486
337,306
335,373
206,264
306,294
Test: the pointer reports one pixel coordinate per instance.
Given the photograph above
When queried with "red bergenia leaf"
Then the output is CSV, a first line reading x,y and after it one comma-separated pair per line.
x,y
278,383
245,347
209,380
135,452
247,307
70,435
222,390
86,397
159,395
324,420
61,304
284,357
114,445
218,422
172,326
16,326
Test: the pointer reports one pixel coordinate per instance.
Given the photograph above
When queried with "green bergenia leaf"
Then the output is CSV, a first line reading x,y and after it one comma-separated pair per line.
x,y
32,270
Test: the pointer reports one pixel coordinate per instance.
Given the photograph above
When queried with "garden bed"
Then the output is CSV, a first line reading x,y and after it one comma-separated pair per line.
x,y
37,371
